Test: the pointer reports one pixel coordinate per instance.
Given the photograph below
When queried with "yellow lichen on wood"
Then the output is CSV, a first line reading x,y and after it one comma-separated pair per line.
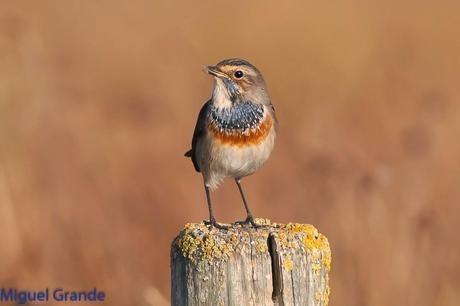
x,y
327,292
200,242
309,235
196,242
318,296
288,264
302,253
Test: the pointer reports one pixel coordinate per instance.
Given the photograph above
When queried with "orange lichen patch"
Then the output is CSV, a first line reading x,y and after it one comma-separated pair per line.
x,y
238,138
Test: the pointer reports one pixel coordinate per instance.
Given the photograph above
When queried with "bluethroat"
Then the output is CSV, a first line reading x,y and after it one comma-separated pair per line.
x,y
235,131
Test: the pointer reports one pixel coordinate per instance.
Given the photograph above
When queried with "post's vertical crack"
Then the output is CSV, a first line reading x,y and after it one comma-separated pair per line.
x,y
252,272
277,270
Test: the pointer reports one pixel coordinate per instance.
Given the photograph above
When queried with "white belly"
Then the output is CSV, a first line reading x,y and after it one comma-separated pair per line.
x,y
235,161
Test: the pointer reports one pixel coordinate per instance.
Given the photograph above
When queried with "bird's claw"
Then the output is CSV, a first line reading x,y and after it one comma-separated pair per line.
x,y
249,221
213,223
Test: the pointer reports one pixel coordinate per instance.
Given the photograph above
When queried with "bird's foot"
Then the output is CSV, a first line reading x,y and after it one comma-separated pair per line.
x,y
250,222
212,222
244,222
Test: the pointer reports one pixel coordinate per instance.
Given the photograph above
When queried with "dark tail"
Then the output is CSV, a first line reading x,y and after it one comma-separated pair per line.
x,y
188,153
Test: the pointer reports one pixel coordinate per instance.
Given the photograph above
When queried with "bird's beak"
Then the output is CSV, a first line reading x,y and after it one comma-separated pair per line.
x,y
213,70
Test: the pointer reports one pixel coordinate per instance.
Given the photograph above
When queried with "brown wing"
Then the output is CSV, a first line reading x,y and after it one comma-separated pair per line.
x,y
200,130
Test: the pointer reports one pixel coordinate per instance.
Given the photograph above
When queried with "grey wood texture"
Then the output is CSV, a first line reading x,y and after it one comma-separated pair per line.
x,y
280,264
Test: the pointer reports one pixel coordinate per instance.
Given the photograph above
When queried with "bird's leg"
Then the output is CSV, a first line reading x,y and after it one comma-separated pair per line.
x,y
249,218
212,220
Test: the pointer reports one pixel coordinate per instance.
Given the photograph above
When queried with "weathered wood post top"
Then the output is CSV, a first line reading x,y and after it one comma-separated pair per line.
x,y
279,264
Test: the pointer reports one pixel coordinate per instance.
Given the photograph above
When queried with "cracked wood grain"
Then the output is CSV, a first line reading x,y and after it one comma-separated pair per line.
x,y
278,265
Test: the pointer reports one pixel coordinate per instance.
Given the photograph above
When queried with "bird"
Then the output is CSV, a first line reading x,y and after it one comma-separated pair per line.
x,y
235,130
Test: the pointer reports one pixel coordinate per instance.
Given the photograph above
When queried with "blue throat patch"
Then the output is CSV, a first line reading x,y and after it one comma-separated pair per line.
x,y
241,116
231,88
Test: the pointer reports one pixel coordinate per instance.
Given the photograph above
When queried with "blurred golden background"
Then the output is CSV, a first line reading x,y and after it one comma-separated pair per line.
x,y
98,101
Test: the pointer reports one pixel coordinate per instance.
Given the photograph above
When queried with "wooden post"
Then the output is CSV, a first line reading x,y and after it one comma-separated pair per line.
x,y
280,264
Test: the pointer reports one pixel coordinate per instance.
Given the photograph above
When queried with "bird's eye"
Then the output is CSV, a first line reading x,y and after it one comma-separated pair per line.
x,y
238,74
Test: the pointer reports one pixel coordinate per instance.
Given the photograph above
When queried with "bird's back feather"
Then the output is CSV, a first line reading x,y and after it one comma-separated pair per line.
x,y
199,132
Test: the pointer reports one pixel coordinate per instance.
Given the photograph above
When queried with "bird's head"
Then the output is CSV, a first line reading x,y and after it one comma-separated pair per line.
x,y
237,80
